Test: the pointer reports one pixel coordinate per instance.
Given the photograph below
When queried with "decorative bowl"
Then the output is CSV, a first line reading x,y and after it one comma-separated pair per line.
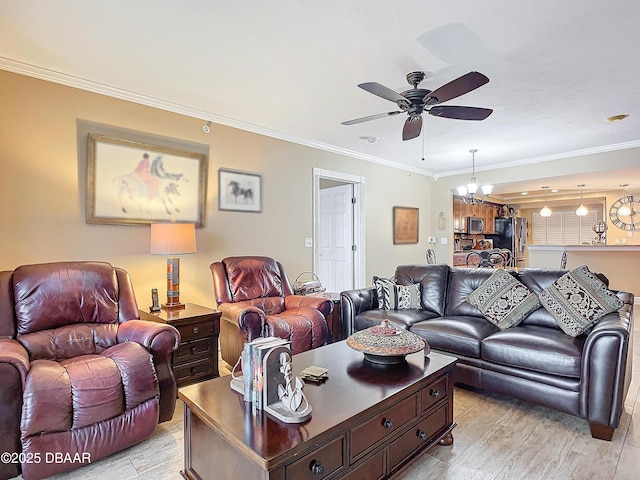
x,y
385,345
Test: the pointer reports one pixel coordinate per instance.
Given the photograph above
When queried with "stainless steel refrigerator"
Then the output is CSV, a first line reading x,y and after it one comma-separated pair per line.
x,y
511,233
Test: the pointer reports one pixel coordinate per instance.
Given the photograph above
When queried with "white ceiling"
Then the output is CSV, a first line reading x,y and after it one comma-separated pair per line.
x,y
290,69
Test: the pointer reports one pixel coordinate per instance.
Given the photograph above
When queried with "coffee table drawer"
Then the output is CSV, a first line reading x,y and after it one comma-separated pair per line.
x,y
434,393
383,424
318,464
418,436
371,469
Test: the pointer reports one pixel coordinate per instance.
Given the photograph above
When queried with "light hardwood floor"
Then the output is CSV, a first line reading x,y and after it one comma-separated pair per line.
x,y
497,438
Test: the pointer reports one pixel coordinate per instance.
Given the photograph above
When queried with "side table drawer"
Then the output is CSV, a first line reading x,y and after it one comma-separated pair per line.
x,y
318,464
418,436
434,393
194,331
383,424
193,350
192,371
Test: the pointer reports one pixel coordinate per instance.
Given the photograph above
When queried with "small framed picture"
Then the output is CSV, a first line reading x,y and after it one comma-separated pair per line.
x,y
239,191
405,225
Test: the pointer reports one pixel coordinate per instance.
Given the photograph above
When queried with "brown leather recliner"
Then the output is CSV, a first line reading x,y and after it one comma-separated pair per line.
x,y
256,299
82,376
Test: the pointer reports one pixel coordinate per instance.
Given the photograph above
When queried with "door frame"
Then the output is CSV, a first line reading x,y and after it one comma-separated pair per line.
x,y
358,226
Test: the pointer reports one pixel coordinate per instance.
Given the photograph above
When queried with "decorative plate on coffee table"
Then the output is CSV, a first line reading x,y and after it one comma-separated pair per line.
x,y
384,344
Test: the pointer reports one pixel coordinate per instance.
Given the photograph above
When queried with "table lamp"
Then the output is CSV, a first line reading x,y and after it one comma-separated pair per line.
x,y
173,239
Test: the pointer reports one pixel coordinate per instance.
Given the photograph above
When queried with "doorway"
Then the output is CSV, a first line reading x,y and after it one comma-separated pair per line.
x,y
338,237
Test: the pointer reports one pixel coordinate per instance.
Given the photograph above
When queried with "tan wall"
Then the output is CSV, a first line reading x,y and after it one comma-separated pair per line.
x,y
42,192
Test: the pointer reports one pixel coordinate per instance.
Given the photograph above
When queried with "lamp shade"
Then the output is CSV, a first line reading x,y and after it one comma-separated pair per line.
x,y
173,238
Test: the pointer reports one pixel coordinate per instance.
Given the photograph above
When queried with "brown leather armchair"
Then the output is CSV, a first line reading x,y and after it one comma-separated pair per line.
x,y
256,299
82,376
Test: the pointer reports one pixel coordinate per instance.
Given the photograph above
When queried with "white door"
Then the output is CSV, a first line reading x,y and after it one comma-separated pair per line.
x,y
336,238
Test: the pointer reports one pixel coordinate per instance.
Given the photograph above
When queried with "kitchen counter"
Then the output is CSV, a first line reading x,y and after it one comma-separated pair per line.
x,y
620,263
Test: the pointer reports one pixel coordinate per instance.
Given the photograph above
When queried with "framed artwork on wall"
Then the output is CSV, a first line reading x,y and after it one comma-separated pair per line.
x,y
131,183
239,191
405,225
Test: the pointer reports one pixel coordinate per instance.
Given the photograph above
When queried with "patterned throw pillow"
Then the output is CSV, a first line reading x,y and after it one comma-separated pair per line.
x,y
392,296
578,299
503,300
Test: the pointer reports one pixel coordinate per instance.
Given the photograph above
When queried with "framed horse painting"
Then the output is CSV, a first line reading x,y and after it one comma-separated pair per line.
x,y
239,191
131,182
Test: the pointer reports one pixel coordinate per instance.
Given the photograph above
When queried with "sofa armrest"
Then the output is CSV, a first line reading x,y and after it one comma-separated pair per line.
x,y
354,302
320,303
248,318
14,366
606,368
160,340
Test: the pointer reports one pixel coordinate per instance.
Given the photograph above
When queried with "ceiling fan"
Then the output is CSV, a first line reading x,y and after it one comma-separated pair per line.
x,y
416,100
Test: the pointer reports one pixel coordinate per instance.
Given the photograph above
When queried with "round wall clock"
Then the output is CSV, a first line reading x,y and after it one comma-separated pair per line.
x,y
626,222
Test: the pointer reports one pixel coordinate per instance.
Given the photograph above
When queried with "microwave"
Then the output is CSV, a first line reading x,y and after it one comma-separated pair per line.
x,y
475,225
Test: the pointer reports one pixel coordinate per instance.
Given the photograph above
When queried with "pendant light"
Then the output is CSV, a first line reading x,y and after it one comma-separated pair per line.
x,y
624,209
581,211
545,211
469,192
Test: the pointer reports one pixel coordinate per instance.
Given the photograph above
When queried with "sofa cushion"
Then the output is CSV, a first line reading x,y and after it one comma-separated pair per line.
x,y
535,348
460,335
463,281
401,318
578,299
392,296
503,300
433,279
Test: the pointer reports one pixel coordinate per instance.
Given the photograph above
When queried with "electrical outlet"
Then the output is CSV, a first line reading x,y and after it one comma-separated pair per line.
x,y
308,242
630,234
444,241
431,239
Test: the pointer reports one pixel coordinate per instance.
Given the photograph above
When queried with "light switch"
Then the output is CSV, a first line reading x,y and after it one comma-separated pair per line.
x,y
308,242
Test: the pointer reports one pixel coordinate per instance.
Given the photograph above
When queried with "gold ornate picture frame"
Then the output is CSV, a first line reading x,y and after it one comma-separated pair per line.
x,y
135,183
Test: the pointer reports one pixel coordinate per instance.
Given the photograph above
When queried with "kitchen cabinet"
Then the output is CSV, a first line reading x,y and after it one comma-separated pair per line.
x,y
487,211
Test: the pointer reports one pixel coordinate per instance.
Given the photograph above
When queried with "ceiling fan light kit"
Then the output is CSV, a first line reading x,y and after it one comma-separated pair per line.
x,y
415,101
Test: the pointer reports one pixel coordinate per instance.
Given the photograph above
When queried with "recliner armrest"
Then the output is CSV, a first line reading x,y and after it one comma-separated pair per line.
x,y
155,337
12,352
320,303
248,317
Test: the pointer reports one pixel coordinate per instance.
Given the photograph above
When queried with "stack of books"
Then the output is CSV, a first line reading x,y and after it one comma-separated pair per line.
x,y
251,383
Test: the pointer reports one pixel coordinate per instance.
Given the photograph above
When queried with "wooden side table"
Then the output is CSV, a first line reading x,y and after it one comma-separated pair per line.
x,y
334,320
196,358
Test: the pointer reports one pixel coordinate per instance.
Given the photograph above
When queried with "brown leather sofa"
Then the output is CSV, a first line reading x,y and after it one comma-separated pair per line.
x,y
82,376
587,376
256,299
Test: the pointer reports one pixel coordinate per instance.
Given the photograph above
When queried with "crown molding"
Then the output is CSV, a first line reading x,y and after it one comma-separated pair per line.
x,y
53,76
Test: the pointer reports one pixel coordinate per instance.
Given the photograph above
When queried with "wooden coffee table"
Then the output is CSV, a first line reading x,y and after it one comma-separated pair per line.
x,y
368,421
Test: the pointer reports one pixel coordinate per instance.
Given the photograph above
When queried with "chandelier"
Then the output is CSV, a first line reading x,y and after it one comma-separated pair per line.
x,y
469,193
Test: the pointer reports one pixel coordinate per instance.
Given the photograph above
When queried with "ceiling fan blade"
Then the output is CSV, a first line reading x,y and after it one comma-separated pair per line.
x,y
455,88
371,117
412,127
460,113
382,91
